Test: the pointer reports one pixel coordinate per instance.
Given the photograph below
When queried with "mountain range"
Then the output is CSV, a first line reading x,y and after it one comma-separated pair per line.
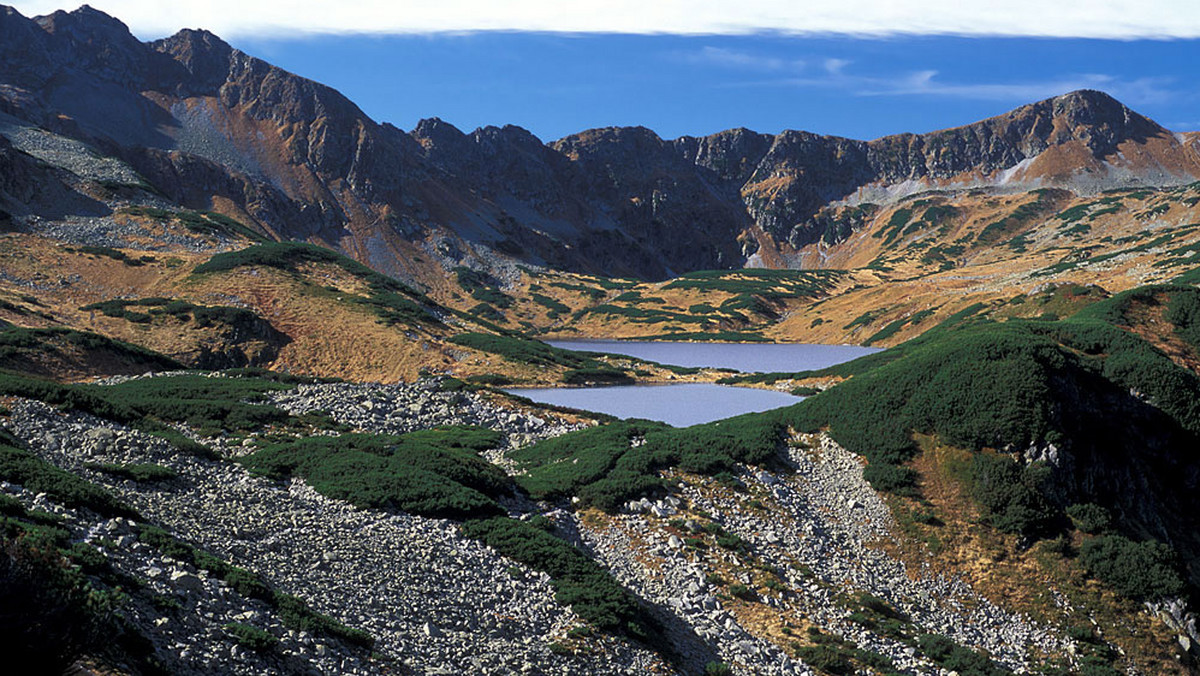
x,y
209,127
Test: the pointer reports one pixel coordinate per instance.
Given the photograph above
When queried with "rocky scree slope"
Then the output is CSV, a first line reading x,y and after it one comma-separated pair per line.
x,y
794,548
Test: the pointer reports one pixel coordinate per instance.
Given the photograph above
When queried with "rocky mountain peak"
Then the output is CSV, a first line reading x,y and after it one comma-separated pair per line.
x,y
203,54
442,139
96,42
86,20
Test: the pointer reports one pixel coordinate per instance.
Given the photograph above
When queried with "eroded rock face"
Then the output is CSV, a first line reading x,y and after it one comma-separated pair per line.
x,y
203,121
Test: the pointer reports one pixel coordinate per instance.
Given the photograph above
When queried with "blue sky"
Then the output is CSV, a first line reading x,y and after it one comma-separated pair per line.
x,y
857,68
555,84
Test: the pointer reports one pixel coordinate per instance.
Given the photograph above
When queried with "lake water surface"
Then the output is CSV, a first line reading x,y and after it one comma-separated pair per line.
x,y
679,405
748,357
686,404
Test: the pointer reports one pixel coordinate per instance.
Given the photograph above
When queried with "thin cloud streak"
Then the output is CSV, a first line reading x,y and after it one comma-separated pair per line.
x,y
1140,91
1110,19
732,58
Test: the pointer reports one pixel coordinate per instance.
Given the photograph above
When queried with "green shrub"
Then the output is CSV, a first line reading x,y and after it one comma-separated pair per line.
x,y
952,656
555,307
109,252
1011,495
493,379
891,478
601,375
1146,571
578,580
523,350
53,615
717,669
1090,517
431,472
147,473
392,301
24,468
203,402
741,591
827,659
250,637
295,614
604,468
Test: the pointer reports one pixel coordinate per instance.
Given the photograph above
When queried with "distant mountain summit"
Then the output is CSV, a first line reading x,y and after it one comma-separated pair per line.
x,y
210,127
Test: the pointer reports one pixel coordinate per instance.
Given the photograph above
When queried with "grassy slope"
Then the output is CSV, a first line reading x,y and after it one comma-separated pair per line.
x,y
907,267
325,314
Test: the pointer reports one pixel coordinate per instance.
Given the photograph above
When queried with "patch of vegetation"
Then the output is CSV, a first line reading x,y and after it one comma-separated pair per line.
x,y
714,336
1090,517
22,467
894,327
16,342
492,379
602,375
642,315
768,284
141,473
251,637
525,350
487,312
432,472
206,403
555,307
1144,571
1012,496
609,465
578,581
392,301
951,656
54,613
482,287
203,222
1020,217
203,316
891,231
293,612
839,657
592,293
115,254
863,319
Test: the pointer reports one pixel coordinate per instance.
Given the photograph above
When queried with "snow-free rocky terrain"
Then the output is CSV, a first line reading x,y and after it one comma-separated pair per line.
x,y
439,603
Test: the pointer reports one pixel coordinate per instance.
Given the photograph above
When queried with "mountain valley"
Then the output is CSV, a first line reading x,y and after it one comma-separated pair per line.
x,y
255,353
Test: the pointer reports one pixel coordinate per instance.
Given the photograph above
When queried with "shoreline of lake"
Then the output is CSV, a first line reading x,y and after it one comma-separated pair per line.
x,y
690,403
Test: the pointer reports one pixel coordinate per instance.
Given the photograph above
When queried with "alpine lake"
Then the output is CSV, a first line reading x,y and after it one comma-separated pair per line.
x,y
684,404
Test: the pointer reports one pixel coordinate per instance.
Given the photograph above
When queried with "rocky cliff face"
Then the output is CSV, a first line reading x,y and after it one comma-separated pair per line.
x,y
212,127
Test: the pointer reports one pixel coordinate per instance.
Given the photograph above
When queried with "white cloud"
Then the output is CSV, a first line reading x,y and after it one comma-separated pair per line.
x,y
732,58
1140,91
836,75
1120,19
836,66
